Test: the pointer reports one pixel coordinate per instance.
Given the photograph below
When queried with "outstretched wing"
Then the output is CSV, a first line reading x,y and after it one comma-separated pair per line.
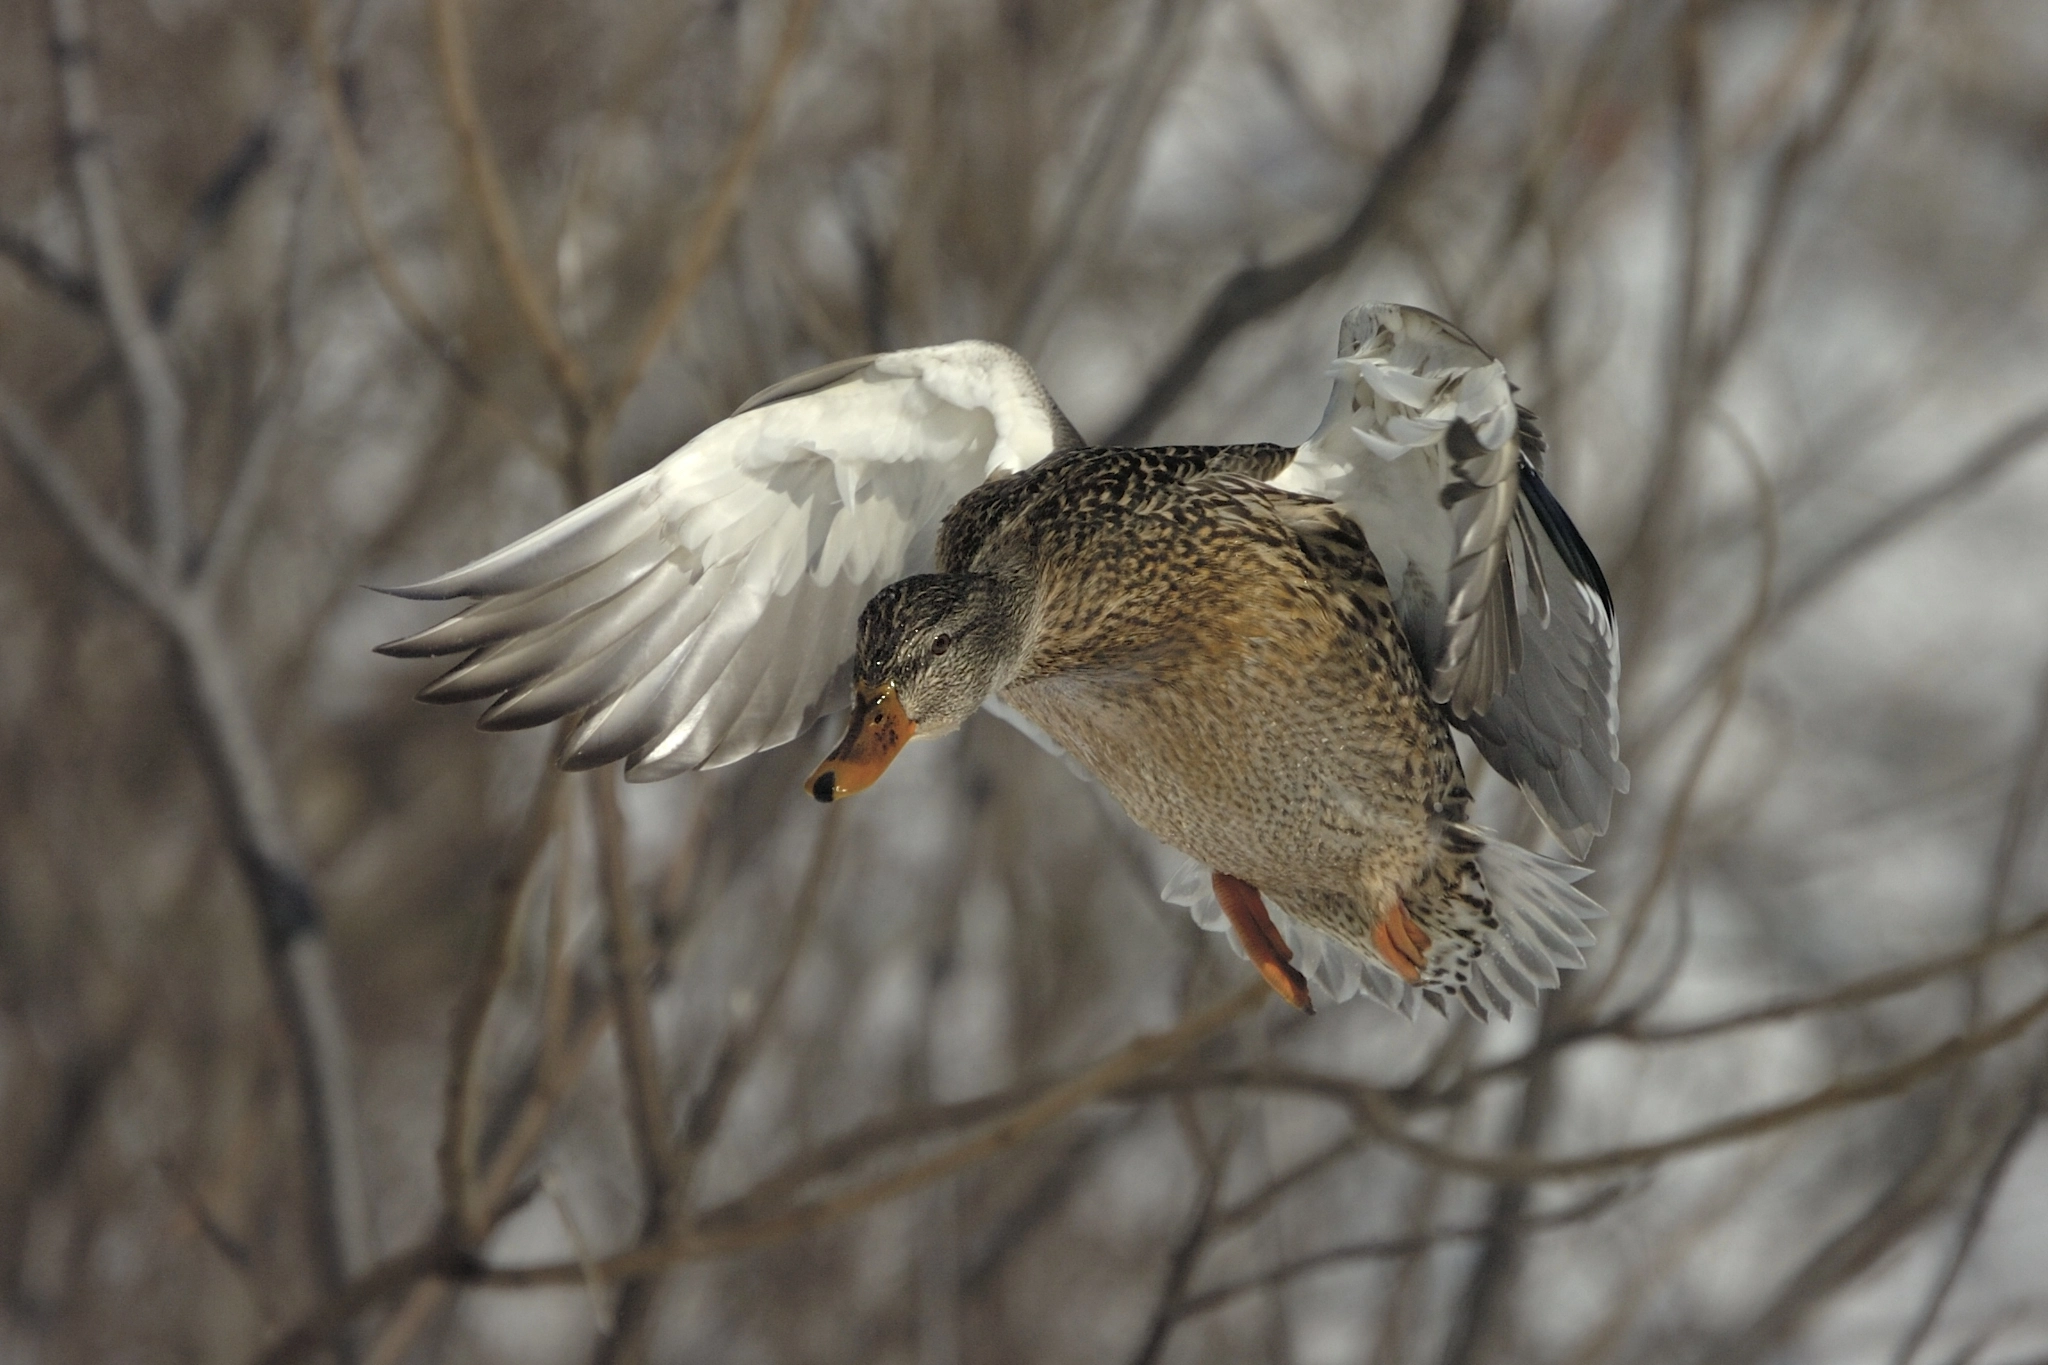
x,y
1505,606
705,610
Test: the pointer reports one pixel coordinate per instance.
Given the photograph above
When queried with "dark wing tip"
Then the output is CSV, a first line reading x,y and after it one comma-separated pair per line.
x,y
1570,545
429,591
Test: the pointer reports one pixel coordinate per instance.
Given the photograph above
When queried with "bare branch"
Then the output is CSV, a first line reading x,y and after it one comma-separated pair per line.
x,y
628,967
1990,460
252,806
1382,1115
160,402
348,165
43,468
1256,291
46,270
712,1236
1734,662
707,240
737,1057
2016,1134
238,514
465,1207
494,206
1103,182
1187,1252
1390,1248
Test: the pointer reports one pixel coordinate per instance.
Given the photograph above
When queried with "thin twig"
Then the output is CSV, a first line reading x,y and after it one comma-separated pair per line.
x,y
707,1113
238,514
40,464
708,238
494,206
1734,663
1388,1248
1256,291
159,400
1379,1112
462,1099
252,804
348,165
1187,1252
1974,1217
628,968
1992,458
52,274
1104,181
495,1192
708,1239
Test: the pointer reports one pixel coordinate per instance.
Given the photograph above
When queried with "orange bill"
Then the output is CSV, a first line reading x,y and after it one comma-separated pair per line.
x,y
879,730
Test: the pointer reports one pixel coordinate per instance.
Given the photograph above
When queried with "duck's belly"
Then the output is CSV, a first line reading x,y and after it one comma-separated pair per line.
x,y
1311,778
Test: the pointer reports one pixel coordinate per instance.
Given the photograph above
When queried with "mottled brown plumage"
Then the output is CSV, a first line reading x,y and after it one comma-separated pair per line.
x,y
1225,657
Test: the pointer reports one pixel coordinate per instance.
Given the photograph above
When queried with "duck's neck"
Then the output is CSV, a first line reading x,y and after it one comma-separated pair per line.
x,y
1013,619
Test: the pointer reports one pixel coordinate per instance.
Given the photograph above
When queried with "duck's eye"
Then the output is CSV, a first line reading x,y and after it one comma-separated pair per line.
x,y
940,644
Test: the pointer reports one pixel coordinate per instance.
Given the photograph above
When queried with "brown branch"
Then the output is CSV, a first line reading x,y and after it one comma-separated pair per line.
x,y
42,467
1390,1248
501,225
628,967
1991,459
1974,1216
1256,291
495,1192
1489,1284
348,165
737,1057
1103,183
466,1208
1734,663
1379,1111
1111,1074
1187,1252
1641,562
159,401
252,808
46,270
708,238
238,518
434,1258
1913,1194
1869,988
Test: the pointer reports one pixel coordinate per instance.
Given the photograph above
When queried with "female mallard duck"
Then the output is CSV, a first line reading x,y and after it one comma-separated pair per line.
x,y
1260,651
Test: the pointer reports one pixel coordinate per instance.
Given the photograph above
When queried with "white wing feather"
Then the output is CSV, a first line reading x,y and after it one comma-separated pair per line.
x,y
1424,446
705,610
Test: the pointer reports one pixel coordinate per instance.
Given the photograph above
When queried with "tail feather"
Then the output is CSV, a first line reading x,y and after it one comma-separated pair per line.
x,y
1541,924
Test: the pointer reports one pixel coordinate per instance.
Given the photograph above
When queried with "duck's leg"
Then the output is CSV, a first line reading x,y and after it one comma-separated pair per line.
x,y
1262,942
1401,941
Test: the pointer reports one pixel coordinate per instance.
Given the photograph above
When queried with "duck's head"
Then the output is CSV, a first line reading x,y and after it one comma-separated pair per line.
x,y
930,650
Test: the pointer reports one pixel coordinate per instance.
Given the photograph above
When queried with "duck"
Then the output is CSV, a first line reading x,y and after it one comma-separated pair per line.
x,y
1264,653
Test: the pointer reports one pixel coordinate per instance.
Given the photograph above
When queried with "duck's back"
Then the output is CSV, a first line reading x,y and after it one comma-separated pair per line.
x,y
1225,658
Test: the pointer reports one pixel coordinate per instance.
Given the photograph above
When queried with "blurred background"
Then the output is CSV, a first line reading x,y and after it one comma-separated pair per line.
x,y
319,1010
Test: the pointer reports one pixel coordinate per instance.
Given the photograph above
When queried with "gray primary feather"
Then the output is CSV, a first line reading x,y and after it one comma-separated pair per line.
x,y
1505,606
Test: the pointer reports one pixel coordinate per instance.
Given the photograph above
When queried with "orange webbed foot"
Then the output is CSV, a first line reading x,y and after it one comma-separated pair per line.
x,y
1401,941
1262,942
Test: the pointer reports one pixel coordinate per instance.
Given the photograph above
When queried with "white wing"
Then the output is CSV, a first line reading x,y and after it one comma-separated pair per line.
x,y
1506,607
705,610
